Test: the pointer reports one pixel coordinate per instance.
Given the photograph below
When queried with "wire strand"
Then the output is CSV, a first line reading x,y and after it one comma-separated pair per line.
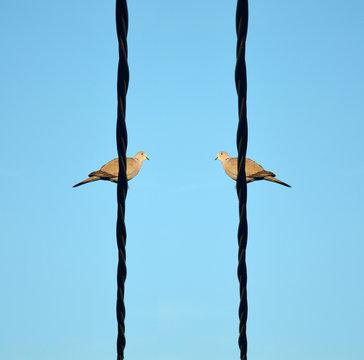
x,y
242,141
122,187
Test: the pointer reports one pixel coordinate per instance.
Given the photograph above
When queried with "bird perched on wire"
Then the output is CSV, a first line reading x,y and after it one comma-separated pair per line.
x,y
110,171
253,171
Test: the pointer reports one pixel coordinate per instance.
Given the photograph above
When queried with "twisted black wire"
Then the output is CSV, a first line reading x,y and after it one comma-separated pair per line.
x,y
122,142
242,141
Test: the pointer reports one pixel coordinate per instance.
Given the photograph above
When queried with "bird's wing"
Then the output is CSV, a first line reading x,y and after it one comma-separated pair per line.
x,y
112,167
254,170
109,170
101,174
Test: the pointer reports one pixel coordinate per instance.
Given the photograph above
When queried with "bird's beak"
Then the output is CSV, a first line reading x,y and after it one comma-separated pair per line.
x,y
216,158
147,157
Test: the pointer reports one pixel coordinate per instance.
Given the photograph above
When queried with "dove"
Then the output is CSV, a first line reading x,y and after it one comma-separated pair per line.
x,y
110,171
253,171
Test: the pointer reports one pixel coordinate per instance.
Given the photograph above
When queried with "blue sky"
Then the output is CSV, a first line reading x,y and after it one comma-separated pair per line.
x,y
58,252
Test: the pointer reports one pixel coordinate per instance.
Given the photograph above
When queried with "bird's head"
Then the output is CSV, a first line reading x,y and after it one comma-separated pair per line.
x,y
222,155
141,155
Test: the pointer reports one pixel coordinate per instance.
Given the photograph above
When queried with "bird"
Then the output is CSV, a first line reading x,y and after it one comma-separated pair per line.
x,y
253,171
110,171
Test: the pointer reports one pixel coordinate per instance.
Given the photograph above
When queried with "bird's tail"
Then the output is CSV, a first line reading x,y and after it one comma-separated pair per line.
x,y
272,179
90,179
